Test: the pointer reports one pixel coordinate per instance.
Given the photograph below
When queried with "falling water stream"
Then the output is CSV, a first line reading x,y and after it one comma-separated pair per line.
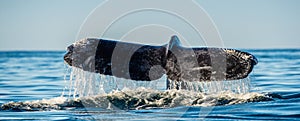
x,y
90,90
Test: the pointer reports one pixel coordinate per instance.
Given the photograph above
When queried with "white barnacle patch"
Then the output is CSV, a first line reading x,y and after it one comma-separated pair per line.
x,y
83,54
244,56
202,68
238,54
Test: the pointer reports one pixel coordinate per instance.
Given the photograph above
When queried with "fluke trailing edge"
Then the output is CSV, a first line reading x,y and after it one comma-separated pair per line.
x,y
146,62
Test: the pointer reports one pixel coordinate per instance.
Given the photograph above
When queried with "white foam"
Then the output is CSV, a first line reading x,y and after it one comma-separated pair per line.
x,y
140,98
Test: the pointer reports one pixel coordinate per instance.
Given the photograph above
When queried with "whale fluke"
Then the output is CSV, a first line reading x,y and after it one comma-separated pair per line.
x,y
145,62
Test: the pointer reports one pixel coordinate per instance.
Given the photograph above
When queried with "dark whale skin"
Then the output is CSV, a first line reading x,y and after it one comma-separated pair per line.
x,y
142,59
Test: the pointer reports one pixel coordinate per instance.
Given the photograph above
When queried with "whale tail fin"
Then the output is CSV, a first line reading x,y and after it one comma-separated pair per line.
x,y
146,62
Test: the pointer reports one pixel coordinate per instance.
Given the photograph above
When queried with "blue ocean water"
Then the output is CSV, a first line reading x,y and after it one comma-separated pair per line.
x,y
38,78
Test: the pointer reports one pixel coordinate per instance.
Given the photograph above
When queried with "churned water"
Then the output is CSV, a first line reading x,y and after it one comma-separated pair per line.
x,y
38,85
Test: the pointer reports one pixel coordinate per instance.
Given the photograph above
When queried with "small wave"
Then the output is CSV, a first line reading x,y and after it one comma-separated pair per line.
x,y
141,98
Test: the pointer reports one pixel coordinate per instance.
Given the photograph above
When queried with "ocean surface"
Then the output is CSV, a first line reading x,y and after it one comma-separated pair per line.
x,y
38,85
